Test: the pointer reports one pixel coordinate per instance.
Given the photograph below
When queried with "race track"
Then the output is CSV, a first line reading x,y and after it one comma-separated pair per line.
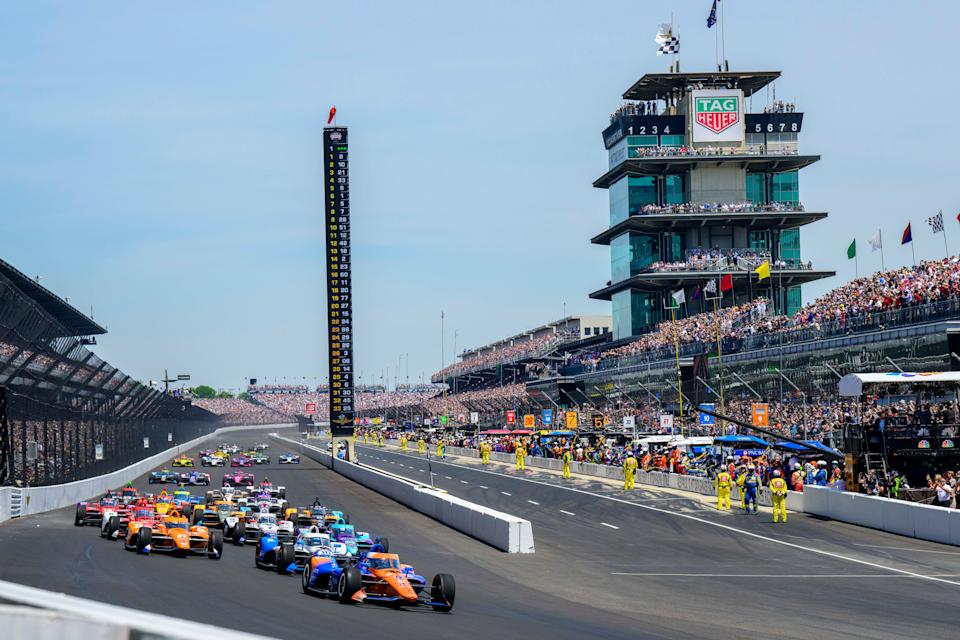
x,y
608,564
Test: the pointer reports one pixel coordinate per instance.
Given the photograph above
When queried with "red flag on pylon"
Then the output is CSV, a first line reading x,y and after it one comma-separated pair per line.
x,y
726,282
333,112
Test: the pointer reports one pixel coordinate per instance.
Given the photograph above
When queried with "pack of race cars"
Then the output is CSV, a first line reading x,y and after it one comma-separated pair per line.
x,y
318,542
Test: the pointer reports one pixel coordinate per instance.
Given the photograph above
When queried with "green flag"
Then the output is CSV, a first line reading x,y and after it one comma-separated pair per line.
x,y
852,250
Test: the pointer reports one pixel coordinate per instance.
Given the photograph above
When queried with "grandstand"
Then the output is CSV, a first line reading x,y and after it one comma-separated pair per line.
x,y
66,414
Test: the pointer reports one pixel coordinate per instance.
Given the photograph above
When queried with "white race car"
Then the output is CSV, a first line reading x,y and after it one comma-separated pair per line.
x,y
213,461
312,542
264,523
289,458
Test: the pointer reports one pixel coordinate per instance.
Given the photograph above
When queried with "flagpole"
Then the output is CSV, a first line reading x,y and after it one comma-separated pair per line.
x,y
676,341
723,37
945,248
719,362
856,264
912,252
883,266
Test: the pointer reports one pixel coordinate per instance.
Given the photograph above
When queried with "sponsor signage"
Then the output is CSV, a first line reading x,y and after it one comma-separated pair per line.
x,y
760,412
666,421
98,452
511,417
629,421
339,293
597,422
571,419
169,437
529,422
705,419
310,409
474,417
717,115
774,122
547,416
146,443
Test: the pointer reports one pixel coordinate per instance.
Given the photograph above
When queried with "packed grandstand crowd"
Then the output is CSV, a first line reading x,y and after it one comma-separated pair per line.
x,y
520,348
742,206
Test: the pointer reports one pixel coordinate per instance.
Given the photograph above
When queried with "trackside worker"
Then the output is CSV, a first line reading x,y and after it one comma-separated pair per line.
x,y
364,437
421,446
485,453
629,471
751,484
723,483
741,478
440,448
566,463
403,443
778,487
520,453
797,478
382,440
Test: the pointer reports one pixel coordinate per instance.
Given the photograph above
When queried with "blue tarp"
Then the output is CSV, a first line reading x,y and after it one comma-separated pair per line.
x,y
740,440
819,446
790,446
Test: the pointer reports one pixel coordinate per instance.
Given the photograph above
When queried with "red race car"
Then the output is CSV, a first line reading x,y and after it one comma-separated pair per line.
x,y
241,461
237,479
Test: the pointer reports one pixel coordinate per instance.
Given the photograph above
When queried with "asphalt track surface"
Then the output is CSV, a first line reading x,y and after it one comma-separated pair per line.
x,y
608,564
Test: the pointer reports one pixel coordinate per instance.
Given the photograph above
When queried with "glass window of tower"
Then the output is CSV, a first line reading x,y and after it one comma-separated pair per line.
x,y
794,300
629,195
633,311
790,244
631,253
758,240
673,189
786,187
756,187
672,247
671,141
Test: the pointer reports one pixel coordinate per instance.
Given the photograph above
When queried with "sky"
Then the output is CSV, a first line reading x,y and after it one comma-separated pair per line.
x,y
160,162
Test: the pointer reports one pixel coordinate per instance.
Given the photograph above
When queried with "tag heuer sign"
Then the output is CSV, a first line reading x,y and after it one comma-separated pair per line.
x,y
717,115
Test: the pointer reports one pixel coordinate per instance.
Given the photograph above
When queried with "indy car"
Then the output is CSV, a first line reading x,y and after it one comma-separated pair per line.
x,y
271,553
312,540
195,479
92,512
260,458
241,461
289,458
259,524
226,516
261,446
164,476
238,479
115,524
356,542
378,578
213,461
174,534
229,448
275,491
182,461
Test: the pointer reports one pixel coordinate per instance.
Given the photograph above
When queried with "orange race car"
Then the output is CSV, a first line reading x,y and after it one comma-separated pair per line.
x,y
173,533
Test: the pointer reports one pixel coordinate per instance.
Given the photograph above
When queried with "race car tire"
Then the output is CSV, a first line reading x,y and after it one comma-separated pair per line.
x,y
209,497
144,537
215,544
80,514
385,543
186,509
256,556
443,589
239,532
346,518
283,493
113,525
197,516
285,556
305,579
349,583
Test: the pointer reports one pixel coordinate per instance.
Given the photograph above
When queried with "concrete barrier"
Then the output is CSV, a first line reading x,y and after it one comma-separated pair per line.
x,y
48,498
500,530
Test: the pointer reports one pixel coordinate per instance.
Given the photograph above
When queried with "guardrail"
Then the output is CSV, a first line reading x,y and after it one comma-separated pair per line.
x,y
500,530
77,618
46,498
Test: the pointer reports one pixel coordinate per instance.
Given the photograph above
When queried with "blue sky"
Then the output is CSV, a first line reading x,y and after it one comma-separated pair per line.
x,y
160,161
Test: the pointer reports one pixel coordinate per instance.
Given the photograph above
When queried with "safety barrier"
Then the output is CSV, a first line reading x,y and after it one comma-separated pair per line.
x,y
501,530
40,499
693,484
47,615
922,521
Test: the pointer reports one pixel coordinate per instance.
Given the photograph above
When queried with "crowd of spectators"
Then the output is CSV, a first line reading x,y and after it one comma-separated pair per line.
x,y
780,107
238,411
743,206
665,151
642,108
518,349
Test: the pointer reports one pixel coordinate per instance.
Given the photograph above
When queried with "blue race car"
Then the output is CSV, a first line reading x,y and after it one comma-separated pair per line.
x,y
164,476
289,458
271,554
376,577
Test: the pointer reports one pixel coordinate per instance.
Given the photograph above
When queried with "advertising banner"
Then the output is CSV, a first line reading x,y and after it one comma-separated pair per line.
x,y
705,419
571,419
666,422
529,422
146,443
760,414
98,451
474,417
310,409
511,417
717,115
629,421
548,416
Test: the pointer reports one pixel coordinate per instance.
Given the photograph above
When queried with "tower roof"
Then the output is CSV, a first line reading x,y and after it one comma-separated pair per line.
x,y
657,85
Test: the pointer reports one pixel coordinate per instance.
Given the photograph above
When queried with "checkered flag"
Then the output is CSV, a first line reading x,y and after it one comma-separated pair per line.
x,y
670,46
936,222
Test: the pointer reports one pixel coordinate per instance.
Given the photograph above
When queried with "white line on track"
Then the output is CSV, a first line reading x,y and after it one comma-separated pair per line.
x,y
777,575
569,513
719,525
464,482
506,494
484,487
534,502
612,526
448,477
